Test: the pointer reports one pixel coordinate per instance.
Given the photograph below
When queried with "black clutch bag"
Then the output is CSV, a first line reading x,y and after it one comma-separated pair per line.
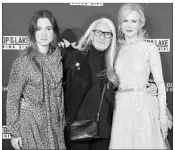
x,y
85,130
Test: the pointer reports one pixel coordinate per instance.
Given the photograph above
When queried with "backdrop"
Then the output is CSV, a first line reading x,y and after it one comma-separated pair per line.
x,y
73,20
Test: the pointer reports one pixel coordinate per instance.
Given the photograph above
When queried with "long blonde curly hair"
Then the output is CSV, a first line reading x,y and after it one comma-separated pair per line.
x,y
124,11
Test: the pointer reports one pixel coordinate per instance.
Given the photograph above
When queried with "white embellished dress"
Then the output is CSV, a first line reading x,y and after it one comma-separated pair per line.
x,y
136,112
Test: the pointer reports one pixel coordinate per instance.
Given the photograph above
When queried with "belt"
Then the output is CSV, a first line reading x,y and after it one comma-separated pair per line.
x,y
131,89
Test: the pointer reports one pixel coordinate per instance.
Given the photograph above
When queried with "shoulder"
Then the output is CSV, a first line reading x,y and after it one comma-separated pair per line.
x,y
152,49
56,53
146,44
149,48
71,51
20,62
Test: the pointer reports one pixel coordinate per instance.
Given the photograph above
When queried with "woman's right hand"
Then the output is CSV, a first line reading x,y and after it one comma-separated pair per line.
x,y
24,105
16,143
65,44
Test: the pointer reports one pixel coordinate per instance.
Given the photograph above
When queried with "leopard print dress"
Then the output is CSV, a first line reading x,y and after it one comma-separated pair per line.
x,y
41,124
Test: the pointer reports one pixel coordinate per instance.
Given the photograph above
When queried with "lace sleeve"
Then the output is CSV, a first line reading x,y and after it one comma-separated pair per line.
x,y
15,87
156,69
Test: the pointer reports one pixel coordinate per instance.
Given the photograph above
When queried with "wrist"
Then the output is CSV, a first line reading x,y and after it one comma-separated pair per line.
x,y
163,113
162,118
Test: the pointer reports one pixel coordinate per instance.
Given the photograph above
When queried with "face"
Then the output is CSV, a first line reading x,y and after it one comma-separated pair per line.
x,y
131,25
102,37
44,34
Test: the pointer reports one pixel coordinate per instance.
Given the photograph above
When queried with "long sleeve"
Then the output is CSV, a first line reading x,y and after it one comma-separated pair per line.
x,y
15,87
156,69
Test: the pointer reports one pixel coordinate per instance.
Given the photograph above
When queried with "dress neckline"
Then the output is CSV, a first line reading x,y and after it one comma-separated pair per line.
x,y
132,43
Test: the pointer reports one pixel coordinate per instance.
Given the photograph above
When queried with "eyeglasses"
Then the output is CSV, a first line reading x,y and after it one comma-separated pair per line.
x,y
99,33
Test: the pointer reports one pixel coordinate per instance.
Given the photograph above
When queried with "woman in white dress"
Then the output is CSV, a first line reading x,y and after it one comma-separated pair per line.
x,y
139,120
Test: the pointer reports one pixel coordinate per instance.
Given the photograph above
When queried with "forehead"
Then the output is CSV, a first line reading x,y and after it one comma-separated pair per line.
x,y
133,15
42,22
103,27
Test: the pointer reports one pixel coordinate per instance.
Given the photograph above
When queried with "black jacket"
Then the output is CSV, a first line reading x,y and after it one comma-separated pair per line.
x,y
82,90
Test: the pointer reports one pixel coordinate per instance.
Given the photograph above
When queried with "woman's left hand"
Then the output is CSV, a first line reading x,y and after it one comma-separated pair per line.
x,y
152,89
164,127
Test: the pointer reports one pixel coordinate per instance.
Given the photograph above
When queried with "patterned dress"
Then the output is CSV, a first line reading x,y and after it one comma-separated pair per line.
x,y
136,114
41,125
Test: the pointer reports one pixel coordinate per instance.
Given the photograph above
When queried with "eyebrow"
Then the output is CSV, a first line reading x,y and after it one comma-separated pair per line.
x,y
44,27
104,31
131,19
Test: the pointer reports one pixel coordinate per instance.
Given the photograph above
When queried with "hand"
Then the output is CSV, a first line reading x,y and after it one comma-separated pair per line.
x,y
16,143
66,44
152,89
164,128
24,105
61,44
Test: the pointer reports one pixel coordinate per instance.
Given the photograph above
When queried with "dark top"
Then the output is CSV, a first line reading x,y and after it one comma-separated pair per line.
x,y
84,78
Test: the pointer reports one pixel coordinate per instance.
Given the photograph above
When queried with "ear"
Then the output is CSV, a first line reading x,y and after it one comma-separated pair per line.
x,y
142,25
91,36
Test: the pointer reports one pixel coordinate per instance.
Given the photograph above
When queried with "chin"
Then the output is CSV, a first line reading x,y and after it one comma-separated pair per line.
x,y
100,48
44,44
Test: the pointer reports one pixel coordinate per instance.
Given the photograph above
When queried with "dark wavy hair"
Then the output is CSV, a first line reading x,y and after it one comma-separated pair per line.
x,y
33,27
30,51
33,23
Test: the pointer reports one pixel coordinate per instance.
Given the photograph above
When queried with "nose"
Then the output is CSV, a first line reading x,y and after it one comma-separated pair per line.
x,y
44,33
102,36
129,24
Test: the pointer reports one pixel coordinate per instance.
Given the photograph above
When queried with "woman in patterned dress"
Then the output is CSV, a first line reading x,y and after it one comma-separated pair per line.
x,y
36,76
139,119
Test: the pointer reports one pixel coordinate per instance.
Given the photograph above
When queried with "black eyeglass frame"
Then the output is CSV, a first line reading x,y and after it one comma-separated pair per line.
x,y
104,33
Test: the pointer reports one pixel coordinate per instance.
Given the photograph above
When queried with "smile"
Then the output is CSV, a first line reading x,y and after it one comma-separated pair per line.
x,y
129,30
44,39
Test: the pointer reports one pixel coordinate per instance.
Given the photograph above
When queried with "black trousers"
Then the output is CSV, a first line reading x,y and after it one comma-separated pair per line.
x,y
100,144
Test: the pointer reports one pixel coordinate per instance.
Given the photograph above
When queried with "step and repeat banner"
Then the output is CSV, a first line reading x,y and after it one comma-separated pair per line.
x,y
73,20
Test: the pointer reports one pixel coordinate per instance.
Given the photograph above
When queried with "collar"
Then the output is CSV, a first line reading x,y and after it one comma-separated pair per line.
x,y
96,52
39,54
